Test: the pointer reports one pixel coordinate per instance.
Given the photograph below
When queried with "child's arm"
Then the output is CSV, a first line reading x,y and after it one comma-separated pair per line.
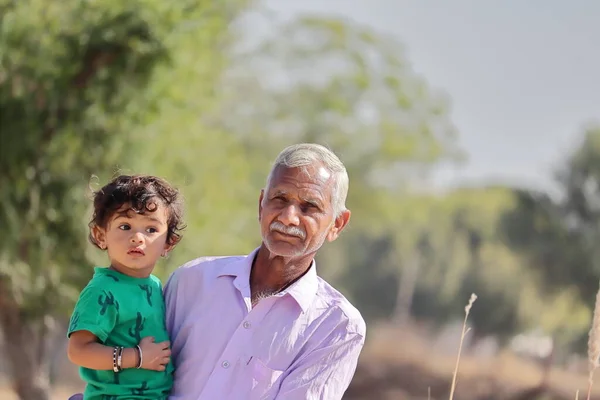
x,y
85,351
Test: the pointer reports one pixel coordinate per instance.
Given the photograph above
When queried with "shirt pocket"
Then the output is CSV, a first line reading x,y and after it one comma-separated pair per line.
x,y
264,380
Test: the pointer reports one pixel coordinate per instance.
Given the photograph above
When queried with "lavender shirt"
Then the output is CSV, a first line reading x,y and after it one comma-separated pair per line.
x,y
303,343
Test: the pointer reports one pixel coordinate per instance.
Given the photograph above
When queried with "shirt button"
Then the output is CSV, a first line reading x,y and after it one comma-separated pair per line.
x,y
246,324
225,364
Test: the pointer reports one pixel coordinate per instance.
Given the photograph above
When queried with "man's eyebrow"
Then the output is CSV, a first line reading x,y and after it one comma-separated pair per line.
x,y
313,200
278,192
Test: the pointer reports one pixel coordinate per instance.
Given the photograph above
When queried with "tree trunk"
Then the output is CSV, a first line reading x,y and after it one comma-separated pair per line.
x,y
24,345
407,281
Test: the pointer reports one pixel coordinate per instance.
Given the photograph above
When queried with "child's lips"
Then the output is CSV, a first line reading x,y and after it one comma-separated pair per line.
x,y
136,251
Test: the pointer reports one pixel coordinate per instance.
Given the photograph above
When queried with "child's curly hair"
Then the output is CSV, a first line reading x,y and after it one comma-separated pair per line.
x,y
140,192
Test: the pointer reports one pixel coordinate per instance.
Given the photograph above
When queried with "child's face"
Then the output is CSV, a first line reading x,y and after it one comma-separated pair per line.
x,y
135,241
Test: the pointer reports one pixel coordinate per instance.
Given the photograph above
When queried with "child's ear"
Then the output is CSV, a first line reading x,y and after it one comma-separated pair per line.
x,y
99,236
168,248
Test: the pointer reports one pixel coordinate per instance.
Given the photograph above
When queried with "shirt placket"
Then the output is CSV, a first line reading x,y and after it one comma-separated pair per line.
x,y
235,354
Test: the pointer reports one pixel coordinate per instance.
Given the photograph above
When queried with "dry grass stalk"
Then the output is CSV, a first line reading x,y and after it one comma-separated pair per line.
x,y
594,345
462,339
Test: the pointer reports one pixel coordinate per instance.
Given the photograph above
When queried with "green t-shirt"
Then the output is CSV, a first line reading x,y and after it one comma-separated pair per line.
x,y
121,310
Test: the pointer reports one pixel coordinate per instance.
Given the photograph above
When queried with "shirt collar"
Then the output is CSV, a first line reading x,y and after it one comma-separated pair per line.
x,y
305,288
240,269
302,291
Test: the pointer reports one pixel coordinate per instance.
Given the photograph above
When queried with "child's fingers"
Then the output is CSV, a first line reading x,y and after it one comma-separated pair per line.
x,y
147,339
165,344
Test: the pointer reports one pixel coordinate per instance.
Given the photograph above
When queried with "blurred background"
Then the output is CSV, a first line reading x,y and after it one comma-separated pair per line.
x,y
470,130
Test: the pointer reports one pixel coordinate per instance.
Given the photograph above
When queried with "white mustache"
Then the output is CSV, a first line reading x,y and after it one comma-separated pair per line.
x,y
288,230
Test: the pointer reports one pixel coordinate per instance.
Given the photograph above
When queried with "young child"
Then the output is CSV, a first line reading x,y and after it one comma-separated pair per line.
x,y
117,333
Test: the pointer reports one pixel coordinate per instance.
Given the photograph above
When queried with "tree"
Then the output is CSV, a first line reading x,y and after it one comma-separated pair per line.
x,y
330,81
73,83
466,256
559,235
456,247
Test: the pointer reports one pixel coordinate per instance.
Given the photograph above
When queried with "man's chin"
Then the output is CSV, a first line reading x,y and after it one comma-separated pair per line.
x,y
281,248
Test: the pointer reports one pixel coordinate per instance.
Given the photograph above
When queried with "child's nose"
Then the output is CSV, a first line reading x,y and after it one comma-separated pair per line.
x,y
137,238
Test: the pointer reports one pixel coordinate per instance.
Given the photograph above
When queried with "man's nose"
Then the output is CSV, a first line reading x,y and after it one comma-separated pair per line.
x,y
289,215
137,238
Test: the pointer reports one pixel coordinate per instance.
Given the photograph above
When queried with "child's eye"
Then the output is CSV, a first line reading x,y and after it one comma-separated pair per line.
x,y
124,227
151,230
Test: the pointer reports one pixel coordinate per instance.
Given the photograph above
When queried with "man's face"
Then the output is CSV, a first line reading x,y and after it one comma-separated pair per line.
x,y
296,212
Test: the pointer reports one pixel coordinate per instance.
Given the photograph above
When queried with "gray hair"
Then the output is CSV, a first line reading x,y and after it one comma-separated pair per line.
x,y
304,154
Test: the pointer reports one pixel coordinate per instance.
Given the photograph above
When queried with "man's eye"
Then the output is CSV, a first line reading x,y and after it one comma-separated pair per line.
x,y
309,207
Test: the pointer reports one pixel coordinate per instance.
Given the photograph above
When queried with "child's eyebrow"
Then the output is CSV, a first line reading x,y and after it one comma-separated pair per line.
x,y
127,214
123,214
158,221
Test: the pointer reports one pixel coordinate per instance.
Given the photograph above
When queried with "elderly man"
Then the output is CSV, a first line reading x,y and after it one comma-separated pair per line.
x,y
265,326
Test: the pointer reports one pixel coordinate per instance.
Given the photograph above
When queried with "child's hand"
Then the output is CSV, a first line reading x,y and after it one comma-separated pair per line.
x,y
155,356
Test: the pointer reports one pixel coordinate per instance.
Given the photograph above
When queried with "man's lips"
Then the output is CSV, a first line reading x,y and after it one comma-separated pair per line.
x,y
286,234
136,250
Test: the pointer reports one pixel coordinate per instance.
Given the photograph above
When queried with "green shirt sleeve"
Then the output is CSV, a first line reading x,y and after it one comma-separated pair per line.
x,y
96,311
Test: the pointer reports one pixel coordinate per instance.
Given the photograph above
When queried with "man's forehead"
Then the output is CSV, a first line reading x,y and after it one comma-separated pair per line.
x,y
322,174
317,173
310,183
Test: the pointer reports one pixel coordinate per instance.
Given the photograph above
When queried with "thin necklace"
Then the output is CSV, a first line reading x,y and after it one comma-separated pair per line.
x,y
290,283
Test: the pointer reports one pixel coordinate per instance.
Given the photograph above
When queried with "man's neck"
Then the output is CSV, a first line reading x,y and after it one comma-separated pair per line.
x,y
272,274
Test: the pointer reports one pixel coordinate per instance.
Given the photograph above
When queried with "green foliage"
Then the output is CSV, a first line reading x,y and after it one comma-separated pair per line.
x,y
559,237
333,82
465,256
95,88
366,277
219,151
561,233
337,83
79,83
75,78
458,243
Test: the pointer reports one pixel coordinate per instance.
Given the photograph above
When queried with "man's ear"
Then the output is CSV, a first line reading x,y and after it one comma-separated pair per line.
x,y
99,236
260,200
338,225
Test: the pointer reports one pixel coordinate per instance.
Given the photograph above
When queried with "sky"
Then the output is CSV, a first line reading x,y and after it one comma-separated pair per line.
x,y
523,76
